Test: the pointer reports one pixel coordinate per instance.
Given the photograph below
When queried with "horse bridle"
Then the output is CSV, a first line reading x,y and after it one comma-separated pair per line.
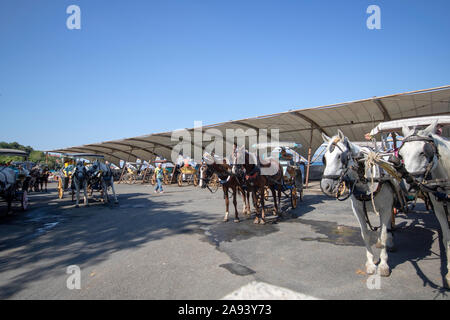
x,y
343,181
430,150
345,159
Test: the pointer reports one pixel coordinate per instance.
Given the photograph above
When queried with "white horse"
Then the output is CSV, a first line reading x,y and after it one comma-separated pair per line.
x,y
340,164
80,180
107,179
423,152
7,183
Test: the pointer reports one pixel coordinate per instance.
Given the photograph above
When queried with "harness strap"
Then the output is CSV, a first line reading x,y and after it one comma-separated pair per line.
x,y
367,218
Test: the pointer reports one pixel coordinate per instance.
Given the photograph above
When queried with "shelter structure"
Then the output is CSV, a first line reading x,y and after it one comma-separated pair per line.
x,y
304,126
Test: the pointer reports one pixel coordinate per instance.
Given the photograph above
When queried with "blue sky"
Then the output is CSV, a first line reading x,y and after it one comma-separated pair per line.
x,y
139,67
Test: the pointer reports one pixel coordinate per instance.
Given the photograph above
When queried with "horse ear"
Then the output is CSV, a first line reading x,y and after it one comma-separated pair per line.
x,y
431,128
406,132
341,134
325,137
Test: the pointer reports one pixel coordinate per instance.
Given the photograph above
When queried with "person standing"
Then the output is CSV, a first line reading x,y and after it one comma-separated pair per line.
x,y
159,176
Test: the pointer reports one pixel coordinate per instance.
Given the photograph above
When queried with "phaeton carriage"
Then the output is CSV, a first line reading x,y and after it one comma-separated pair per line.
x,y
391,141
292,182
187,172
18,191
133,172
65,175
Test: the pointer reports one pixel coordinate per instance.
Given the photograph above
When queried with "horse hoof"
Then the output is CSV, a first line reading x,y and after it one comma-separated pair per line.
x,y
384,270
262,221
237,220
256,221
225,220
370,269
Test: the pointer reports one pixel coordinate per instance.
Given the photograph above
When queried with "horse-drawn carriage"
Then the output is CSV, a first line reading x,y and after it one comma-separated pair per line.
x,y
63,177
187,174
291,185
95,176
390,133
14,180
133,173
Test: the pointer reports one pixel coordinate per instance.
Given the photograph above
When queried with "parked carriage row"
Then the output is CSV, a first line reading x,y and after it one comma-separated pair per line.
x,y
383,181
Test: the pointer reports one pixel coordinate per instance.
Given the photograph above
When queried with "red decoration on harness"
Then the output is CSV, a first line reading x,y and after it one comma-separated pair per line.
x,y
253,176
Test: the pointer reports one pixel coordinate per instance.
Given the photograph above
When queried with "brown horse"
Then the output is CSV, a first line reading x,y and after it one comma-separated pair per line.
x,y
227,180
259,174
43,179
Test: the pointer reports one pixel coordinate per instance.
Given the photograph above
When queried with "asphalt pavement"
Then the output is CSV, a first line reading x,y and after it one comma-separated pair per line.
x,y
176,246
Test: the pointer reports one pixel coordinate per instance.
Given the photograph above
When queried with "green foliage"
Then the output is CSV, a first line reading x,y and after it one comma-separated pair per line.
x,y
33,155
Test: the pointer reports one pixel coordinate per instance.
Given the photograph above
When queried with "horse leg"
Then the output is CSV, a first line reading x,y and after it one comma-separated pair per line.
x,y
276,210
263,212
86,200
358,211
236,214
385,221
105,191
244,207
227,203
77,189
439,211
114,191
249,211
255,204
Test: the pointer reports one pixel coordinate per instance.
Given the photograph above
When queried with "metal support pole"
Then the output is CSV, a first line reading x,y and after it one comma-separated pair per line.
x,y
309,159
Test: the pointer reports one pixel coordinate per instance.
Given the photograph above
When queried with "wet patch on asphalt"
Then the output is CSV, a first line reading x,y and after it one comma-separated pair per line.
x,y
245,229
237,269
336,234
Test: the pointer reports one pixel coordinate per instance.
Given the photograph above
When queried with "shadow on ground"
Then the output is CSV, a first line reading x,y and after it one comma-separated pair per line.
x,y
93,234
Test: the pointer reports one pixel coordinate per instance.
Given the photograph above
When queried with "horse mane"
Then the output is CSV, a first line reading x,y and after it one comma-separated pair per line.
x,y
354,148
443,146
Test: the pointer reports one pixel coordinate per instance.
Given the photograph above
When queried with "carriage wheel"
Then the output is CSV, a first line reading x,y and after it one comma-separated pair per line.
x,y
195,180
301,195
166,179
153,180
24,201
60,189
294,197
180,180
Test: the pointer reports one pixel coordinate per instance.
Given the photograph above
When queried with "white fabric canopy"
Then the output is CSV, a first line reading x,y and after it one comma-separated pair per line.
x,y
303,126
397,125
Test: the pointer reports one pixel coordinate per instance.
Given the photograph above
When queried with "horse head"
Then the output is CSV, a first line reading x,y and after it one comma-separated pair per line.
x,y
80,171
336,160
419,152
206,169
